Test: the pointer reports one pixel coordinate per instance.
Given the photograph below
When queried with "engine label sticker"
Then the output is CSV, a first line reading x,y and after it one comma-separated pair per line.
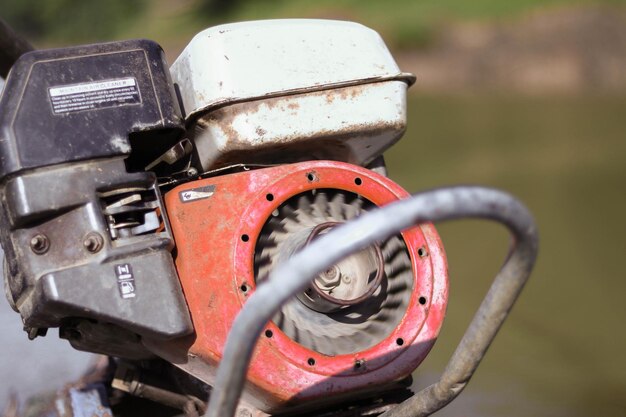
x,y
94,95
125,280
195,194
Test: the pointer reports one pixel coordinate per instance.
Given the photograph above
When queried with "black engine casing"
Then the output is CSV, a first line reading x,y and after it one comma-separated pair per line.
x,y
86,237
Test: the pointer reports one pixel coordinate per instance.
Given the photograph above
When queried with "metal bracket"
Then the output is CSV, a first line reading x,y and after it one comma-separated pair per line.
x,y
128,379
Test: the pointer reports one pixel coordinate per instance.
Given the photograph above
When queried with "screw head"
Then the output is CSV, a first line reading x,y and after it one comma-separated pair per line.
x,y
93,242
39,244
359,364
331,275
243,412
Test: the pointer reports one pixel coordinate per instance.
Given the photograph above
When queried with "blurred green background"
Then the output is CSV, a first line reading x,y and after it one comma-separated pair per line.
x,y
525,95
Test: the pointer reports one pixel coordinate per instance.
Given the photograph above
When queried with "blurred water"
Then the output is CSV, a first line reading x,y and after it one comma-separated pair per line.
x,y
561,353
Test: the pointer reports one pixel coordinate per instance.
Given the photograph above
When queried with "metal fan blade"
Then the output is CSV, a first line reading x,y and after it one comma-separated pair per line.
x,y
347,330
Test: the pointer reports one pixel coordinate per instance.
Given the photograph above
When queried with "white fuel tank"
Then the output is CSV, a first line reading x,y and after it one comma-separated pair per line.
x,y
280,91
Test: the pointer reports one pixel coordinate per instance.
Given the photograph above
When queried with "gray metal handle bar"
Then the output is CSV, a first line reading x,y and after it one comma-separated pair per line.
x,y
293,276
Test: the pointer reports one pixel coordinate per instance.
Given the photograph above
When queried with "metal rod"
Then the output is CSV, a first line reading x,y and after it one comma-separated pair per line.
x,y
12,46
295,274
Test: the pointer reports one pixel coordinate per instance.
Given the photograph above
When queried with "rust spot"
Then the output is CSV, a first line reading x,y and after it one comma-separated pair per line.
x,y
212,300
323,144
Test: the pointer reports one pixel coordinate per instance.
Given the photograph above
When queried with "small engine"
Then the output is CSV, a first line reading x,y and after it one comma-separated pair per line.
x,y
137,200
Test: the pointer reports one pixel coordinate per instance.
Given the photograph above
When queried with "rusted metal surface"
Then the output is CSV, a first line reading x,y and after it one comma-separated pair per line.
x,y
331,90
293,275
223,65
215,261
353,124
128,379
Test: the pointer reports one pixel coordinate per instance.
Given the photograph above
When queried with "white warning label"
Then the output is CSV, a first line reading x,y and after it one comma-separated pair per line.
x,y
94,95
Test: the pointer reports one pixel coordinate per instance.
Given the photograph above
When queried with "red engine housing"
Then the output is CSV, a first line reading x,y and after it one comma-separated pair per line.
x,y
216,223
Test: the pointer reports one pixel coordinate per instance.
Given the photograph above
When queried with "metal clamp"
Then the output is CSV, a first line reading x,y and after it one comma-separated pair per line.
x,y
295,274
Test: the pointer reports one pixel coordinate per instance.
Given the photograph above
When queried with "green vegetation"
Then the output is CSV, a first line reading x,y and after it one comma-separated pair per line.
x,y
403,23
57,21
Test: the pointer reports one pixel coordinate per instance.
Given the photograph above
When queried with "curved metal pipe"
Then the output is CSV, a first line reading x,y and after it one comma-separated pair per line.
x,y
12,46
294,275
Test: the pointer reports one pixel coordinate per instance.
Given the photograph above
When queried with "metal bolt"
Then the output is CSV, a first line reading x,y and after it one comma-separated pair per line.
x,y
192,172
359,363
34,332
39,244
93,242
243,412
331,275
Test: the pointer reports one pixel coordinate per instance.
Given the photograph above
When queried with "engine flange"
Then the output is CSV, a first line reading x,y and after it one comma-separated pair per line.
x,y
217,223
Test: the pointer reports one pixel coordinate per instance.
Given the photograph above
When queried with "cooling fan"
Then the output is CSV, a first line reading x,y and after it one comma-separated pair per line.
x,y
355,304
